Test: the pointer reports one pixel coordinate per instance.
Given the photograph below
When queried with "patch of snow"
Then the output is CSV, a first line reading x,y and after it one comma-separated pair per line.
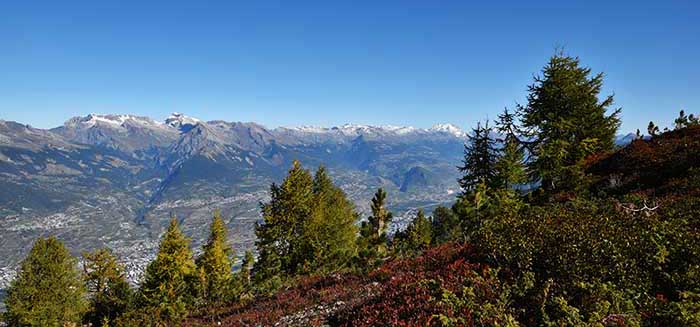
x,y
115,121
448,128
177,120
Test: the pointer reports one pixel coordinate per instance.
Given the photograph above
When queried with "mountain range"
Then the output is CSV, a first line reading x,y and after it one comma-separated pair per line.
x,y
115,180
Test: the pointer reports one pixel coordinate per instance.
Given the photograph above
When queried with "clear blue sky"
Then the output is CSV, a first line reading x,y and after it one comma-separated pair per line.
x,y
331,62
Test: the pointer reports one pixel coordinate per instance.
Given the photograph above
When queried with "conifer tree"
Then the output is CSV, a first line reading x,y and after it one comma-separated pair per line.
x,y
684,120
108,289
244,275
446,226
652,129
510,166
510,163
166,291
308,226
279,236
47,291
416,237
373,239
214,265
566,121
330,233
479,163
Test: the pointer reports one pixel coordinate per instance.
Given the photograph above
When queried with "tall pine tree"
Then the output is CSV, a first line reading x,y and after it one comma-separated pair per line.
x,y
279,236
479,163
47,291
214,265
331,232
108,289
308,227
372,242
167,290
566,121
510,164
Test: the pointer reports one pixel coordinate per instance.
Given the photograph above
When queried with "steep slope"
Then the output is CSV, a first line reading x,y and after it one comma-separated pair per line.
x,y
663,165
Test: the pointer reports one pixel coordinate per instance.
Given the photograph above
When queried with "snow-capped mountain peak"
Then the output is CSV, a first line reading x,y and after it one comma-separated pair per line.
x,y
179,120
115,121
448,128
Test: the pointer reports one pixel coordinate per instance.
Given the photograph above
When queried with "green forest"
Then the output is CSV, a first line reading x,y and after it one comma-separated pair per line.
x,y
555,225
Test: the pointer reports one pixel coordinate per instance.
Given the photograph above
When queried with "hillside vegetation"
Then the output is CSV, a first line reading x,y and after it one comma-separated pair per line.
x,y
607,237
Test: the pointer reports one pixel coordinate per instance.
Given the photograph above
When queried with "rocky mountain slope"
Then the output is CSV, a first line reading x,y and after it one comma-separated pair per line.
x,y
114,180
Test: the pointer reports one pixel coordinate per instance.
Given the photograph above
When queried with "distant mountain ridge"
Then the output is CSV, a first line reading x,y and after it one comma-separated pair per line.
x,y
114,180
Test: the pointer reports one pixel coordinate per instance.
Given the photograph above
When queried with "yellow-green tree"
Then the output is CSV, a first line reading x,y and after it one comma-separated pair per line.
x,y
214,265
329,234
308,227
416,237
107,287
47,291
166,292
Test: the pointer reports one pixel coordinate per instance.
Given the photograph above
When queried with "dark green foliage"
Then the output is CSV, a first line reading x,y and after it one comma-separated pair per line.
x,y
279,236
479,163
308,227
652,129
510,164
214,266
684,121
166,293
446,226
47,291
107,287
416,237
566,122
372,242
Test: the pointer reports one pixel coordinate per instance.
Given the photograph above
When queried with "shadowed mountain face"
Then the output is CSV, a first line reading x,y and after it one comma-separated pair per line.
x,y
114,180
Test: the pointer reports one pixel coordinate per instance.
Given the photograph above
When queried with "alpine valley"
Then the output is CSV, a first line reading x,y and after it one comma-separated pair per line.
x,y
115,180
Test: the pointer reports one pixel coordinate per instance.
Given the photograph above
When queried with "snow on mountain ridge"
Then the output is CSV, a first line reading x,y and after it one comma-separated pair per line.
x,y
448,128
115,121
183,123
356,129
178,120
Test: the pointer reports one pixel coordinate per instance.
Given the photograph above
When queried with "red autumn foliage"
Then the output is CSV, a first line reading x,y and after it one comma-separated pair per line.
x,y
663,165
396,294
406,297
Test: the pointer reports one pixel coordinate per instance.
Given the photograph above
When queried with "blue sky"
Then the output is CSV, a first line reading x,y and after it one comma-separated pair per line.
x,y
333,62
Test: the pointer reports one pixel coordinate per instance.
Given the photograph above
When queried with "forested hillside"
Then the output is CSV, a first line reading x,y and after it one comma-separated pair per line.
x,y
555,225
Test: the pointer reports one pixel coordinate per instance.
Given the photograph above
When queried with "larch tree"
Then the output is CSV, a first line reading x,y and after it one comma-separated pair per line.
x,y
108,290
243,278
279,236
566,121
214,265
416,237
330,233
167,290
48,290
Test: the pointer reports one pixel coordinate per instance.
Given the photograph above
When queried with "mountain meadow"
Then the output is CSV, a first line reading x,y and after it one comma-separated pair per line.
x,y
540,217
